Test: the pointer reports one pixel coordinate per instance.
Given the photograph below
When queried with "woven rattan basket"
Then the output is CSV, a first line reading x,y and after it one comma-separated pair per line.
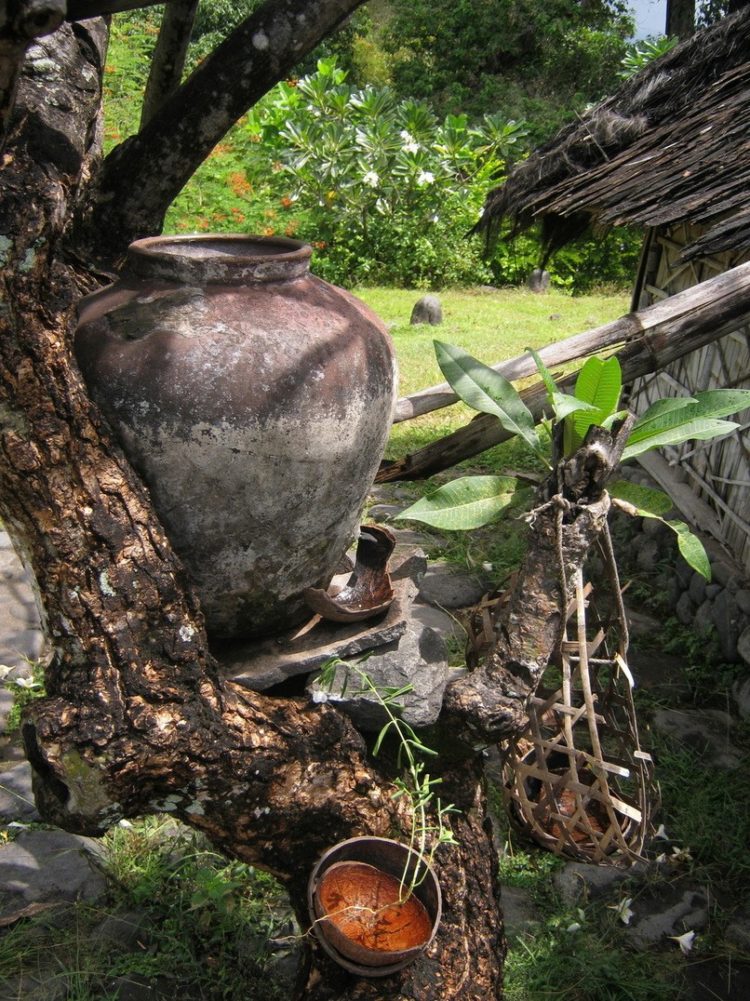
x,y
576,779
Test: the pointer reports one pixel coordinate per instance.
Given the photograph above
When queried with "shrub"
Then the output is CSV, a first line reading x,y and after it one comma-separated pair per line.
x,y
384,190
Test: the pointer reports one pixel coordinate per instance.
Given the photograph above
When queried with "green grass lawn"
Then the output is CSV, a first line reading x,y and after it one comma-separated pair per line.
x,y
493,326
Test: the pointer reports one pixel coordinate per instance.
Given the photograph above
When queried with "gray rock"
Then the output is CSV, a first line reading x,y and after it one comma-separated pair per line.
x,y
655,529
382,512
723,572
685,610
443,623
520,913
742,597
44,984
743,644
579,881
684,572
538,280
418,658
725,615
712,590
427,310
741,693
648,555
446,586
120,929
697,589
17,796
703,621
6,704
708,731
738,931
44,866
690,913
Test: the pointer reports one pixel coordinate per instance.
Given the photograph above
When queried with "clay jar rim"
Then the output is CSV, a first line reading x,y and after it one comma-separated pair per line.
x,y
219,259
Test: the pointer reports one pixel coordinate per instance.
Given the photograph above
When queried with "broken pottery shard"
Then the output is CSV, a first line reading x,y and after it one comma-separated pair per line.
x,y
369,591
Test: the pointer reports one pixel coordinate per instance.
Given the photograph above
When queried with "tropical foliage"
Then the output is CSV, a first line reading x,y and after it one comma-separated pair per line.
x,y
470,502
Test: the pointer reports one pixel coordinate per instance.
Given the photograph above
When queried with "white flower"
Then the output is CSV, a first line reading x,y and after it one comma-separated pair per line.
x,y
425,177
685,941
371,179
411,147
27,683
680,855
661,832
406,136
488,567
623,910
125,824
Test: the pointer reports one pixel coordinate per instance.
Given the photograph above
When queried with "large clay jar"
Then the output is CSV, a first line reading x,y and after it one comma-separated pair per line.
x,y
255,401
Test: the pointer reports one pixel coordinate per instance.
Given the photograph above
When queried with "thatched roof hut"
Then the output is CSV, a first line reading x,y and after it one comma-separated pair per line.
x,y
670,151
671,146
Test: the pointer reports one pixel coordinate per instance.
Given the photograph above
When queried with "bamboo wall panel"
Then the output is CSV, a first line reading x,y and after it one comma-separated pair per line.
x,y
718,471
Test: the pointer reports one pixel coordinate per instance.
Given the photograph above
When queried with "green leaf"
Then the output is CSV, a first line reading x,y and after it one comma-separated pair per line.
x,y
468,502
549,382
599,383
485,390
710,404
563,404
665,406
647,502
691,548
700,429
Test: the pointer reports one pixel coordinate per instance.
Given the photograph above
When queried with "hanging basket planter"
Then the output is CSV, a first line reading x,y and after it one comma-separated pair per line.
x,y
366,913
576,779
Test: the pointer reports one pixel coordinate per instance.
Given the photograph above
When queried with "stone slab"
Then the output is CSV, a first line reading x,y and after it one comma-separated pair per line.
x,y
16,795
262,665
43,866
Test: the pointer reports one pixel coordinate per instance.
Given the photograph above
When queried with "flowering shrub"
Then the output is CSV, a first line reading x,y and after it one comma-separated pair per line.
x,y
386,191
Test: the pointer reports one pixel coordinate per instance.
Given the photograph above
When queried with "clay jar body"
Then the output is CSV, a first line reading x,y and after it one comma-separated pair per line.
x,y
255,401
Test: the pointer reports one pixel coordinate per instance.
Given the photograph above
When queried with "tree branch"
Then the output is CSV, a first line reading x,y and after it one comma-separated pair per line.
x,y
168,60
21,21
259,52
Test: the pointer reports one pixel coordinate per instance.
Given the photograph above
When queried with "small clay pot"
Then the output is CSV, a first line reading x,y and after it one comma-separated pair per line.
x,y
361,910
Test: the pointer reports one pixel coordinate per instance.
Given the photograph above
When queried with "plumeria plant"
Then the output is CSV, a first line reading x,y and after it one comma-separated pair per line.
x,y
472,501
384,184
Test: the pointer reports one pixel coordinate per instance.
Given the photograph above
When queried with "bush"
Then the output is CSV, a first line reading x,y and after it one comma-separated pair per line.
x,y
382,189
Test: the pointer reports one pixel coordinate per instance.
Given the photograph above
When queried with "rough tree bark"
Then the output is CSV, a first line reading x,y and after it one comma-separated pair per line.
x,y
136,719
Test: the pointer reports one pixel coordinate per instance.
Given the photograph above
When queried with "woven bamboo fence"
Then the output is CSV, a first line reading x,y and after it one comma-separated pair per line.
x,y
717,471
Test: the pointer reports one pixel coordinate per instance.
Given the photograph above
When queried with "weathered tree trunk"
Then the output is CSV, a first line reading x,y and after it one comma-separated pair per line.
x,y
168,60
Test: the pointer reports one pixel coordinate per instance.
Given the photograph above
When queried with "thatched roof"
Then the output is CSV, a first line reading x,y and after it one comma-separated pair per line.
x,y
672,145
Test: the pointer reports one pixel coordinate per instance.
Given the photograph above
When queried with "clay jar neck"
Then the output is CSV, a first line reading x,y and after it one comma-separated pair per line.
x,y
223,259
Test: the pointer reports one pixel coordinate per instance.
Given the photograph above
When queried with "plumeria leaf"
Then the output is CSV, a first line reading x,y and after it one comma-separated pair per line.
x,y
563,404
700,429
489,392
648,503
644,502
549,383
599,383
468,502
691,549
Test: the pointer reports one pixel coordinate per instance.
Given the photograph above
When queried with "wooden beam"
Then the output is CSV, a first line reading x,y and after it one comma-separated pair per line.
x,y
666,331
